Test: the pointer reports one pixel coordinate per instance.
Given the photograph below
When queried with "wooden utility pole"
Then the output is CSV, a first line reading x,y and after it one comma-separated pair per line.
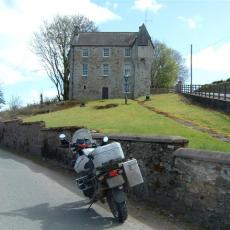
x,y
191,70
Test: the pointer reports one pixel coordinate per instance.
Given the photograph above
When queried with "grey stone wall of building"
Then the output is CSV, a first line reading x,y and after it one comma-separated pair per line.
x,y
143,65
195,184
90,87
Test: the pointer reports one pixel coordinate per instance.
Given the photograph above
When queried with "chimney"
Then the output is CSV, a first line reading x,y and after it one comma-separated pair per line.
x,y
76,30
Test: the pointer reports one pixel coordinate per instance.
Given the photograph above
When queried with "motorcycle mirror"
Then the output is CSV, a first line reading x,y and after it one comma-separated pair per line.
x,y
62,136
105,139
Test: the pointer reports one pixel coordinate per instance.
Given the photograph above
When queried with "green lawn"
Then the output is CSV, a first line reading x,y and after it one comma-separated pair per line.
x,y
175,105
128,119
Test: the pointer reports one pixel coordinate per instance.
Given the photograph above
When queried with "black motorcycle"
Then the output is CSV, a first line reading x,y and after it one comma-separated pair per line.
x,y
102,172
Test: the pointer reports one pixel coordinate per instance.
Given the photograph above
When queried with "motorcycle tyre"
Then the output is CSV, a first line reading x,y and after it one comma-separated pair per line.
x,y
118,209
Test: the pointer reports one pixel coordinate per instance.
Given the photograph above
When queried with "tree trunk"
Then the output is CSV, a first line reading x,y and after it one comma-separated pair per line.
x,y
66,89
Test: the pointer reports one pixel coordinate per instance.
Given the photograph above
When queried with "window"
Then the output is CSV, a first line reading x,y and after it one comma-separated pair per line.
x,y
106,52
85,52
84,69
127,52
127,69
105,69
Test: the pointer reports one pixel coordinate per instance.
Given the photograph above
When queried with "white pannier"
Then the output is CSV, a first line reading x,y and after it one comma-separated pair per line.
x,y
106,153
133,173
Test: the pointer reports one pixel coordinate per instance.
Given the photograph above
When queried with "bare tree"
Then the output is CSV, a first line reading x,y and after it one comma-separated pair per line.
x,y
2,101
52,43
15,103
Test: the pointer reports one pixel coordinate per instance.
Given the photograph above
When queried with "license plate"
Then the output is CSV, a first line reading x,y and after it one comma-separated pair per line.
x,y
115,181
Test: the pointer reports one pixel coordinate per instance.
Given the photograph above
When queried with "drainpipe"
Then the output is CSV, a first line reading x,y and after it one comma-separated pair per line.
x,y
72,74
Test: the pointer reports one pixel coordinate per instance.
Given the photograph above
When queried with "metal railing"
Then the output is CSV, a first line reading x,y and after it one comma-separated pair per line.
x,y
162,90
216,91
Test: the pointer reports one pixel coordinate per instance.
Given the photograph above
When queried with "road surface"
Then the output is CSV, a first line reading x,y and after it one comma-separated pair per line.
x,y
34,197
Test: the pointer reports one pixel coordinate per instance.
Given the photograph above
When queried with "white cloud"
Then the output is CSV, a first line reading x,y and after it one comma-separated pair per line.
x,y
26,15
213,59
9,76
151,5
192,23
21,19
111,4
18,64
34,95
115,5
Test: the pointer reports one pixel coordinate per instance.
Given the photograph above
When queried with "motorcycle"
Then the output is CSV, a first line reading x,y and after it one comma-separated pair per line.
x,y
102,172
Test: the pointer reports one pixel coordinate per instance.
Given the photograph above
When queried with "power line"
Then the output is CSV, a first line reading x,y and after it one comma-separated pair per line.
x,y
214,43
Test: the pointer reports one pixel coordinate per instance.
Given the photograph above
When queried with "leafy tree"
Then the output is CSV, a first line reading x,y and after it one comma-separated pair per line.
x,y
183,69
218,82
168,66
52,43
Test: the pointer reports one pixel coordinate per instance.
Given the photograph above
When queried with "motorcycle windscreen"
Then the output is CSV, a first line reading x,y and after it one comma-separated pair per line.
x,y
82,134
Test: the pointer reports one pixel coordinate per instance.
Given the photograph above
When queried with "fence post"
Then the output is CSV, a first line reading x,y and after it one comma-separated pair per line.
x,y
213,91
218,91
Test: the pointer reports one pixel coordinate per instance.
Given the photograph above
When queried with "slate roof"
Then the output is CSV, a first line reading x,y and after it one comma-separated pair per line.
x,y
105,39
112,39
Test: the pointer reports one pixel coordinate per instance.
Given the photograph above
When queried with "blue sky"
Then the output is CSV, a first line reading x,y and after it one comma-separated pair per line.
x,y
178,23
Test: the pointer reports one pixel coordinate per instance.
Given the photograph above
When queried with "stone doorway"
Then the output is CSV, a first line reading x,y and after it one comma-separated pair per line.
x,y
105,93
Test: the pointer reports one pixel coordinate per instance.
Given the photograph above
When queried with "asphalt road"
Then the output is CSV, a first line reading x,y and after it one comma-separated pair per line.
x,y
33,197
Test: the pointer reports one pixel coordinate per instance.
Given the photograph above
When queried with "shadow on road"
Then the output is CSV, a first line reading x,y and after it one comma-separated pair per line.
x,y
70,216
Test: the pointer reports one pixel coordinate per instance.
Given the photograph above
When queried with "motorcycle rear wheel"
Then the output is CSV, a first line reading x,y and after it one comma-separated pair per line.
x,y
118,209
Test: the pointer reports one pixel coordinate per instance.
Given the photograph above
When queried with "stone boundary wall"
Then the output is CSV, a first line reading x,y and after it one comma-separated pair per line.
x,y
221,105
154,155
204,186
192,183
25,137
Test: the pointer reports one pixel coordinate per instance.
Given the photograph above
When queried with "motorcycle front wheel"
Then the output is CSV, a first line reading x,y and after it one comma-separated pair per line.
x,y
118,209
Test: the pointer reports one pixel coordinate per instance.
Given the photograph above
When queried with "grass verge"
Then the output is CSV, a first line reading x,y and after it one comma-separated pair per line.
x,y
128,119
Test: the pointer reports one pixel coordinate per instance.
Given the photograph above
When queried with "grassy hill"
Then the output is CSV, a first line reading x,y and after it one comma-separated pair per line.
x,y
179,107
113,116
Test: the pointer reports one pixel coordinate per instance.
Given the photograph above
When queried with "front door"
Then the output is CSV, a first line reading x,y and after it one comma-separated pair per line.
x,y
105,93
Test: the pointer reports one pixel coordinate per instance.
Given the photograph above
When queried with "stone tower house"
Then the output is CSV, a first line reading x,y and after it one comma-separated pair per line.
x,y
99,61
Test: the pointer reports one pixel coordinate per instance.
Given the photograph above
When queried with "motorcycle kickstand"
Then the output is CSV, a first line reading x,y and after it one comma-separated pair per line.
x,y
91,203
